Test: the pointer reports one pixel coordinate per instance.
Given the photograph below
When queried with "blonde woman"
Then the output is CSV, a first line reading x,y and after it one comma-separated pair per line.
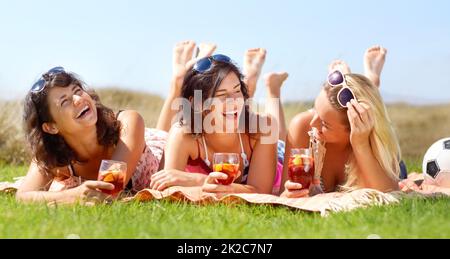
x,y
362,148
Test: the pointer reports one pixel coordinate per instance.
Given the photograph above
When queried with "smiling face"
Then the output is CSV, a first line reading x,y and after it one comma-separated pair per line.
x,y
331,123
72,110
219,96
229,100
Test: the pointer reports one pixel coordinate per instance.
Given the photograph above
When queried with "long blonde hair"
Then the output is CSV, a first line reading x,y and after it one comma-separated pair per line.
x,y
383,140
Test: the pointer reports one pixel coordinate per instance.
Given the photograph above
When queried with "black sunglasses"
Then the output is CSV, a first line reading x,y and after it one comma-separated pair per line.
x,y
346,94
42,82
205,64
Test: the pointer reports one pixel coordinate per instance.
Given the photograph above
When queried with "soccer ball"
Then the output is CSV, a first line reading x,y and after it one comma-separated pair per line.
x,y
436,163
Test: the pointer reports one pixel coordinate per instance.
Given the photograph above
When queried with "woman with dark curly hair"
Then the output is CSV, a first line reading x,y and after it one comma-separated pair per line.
x,y
70,132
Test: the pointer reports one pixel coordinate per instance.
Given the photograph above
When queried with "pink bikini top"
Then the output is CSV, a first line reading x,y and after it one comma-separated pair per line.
x,y
204,166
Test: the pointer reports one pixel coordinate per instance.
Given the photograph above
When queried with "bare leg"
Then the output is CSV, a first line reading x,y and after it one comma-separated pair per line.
x,y
253,62
182,54
374,59
182,61
274,107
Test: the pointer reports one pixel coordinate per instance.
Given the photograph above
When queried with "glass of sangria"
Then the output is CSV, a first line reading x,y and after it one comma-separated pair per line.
x,y
227,163
301,167
113,172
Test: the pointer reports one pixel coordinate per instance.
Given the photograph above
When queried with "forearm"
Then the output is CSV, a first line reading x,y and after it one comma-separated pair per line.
x,y
243,188
284,177
274,108
187,179
197,179
45,196
287,154
372,174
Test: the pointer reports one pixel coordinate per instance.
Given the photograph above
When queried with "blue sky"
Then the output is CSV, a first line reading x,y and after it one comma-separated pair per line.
x,y
129,43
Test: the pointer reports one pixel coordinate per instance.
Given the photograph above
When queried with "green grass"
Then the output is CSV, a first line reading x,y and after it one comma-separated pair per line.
x,y
413,218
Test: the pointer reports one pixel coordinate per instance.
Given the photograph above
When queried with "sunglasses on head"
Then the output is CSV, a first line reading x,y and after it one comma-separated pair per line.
x,y
205,64
345,95
42,82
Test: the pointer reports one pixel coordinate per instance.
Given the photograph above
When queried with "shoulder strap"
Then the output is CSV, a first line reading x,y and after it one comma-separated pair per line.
x,y
117,115
243,155
207,162
71,169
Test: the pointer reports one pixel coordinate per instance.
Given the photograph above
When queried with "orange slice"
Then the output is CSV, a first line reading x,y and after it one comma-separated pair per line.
x,y
116,173
109,178
297,160
307,160
229,167
218,168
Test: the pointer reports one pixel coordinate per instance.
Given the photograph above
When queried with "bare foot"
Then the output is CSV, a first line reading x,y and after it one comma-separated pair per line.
x,y
206,50
253,62
339,65
183,59
274,81
182,54
203,50
374,59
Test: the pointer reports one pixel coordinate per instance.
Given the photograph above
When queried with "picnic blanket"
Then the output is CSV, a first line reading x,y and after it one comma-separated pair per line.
x,y
324,204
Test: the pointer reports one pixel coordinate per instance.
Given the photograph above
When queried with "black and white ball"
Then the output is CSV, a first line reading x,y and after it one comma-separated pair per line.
x,y
436,163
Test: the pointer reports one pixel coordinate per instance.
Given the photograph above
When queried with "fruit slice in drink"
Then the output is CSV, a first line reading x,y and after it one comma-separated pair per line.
x,y
115,177
301,170
231,170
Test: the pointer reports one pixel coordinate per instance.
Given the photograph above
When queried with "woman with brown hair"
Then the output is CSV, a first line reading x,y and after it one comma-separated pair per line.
x,y
216,92
70,132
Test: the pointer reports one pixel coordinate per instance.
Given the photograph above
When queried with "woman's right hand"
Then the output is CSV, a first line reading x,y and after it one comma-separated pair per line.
x,y
88,192
294,190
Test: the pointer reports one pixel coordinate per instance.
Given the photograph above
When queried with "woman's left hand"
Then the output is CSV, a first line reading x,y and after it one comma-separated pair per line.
x,y
361,121
212,183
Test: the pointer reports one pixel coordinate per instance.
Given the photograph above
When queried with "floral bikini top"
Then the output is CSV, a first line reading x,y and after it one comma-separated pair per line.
x,y
148,164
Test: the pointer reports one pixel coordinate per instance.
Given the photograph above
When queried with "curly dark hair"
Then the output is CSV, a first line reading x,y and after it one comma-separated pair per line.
x,y
208,83
52,151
